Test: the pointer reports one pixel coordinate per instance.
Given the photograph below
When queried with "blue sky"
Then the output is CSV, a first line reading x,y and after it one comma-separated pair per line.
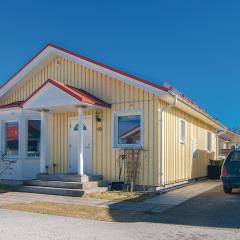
x,y
193,45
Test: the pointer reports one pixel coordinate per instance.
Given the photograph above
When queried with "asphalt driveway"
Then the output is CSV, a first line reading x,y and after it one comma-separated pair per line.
x,y
213,208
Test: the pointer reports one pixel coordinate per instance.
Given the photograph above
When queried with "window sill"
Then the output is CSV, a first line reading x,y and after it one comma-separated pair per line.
x,y
32,158
8,157
11,158
128,148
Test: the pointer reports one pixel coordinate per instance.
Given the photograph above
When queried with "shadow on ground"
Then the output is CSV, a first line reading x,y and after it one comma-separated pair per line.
x,y
210,209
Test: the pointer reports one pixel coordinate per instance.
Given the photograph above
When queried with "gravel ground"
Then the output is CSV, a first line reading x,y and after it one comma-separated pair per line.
x,y
28,226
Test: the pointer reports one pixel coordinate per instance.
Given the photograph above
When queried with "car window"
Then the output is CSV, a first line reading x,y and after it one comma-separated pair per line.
x,y
234,156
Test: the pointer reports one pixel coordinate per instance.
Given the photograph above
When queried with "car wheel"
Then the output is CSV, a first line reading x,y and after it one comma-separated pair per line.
x,y
227,189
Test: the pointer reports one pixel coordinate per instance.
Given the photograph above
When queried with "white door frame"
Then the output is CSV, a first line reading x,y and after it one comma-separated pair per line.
x,y
76,118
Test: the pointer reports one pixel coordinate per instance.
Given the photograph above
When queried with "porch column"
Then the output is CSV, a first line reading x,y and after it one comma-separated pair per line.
x,y
22,136
80,141
44,142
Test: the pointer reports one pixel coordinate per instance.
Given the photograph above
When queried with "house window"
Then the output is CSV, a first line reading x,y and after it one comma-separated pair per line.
x,y
33,138
182,134
128,130
12,138
209,141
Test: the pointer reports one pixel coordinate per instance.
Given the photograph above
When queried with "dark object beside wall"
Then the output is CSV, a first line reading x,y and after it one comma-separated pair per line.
x,y
214,169
117,186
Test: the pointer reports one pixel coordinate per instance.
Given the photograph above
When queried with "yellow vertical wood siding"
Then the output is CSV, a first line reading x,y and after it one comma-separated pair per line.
x,y
178,162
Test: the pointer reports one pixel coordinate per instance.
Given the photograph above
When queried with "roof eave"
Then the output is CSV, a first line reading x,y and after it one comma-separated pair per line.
x,y
195,111
54,50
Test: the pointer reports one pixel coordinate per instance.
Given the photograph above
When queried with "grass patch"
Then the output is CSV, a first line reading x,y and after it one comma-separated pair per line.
x,y
121,196
79,211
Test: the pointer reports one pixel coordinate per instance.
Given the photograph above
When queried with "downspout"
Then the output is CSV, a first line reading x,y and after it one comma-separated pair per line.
x,y
162,111
217,150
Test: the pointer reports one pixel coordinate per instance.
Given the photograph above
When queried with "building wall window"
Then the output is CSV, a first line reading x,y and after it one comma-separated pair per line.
x,y
33,138
12,138
182,134
128,130
209,141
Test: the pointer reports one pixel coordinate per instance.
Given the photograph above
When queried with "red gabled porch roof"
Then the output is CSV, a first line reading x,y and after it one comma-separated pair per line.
x,y
77,93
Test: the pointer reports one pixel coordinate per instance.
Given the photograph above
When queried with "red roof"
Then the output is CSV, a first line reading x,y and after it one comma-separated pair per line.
x,y
231,133
79,94
169,87
12,105
91,61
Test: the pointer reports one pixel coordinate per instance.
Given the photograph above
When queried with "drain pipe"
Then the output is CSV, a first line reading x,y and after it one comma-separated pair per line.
x,y
217,142
161,112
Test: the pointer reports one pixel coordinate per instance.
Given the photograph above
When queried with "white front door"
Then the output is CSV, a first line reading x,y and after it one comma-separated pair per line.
x,y
73,146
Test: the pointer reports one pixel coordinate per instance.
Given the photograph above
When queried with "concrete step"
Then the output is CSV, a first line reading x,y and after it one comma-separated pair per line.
x,y
60,184
60,191
52,191
68,178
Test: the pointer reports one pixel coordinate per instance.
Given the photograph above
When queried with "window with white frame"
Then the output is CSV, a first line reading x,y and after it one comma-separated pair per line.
x,y
11,138
209,141
33,138
128,129
182,132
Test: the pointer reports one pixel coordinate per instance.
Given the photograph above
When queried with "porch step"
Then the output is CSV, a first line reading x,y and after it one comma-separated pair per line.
x,y
60,191
61,184
64,185
52,191
69,178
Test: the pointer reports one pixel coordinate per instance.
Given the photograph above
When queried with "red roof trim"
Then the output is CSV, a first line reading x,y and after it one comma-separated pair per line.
x,y
233,133
109,67
189,100
92,61
12,105
89,95
79,94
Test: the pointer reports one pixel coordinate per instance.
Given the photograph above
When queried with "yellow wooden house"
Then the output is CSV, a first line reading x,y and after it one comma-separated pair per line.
x,y
63,113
